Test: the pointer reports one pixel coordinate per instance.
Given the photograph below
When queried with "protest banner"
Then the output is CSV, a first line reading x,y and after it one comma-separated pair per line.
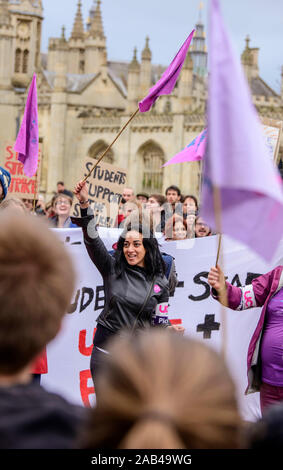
x,y
192,306
21,185
272,133
105,187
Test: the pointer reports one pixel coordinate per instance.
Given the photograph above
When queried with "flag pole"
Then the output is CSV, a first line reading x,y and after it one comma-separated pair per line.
x,y
35,191
222,295
109,146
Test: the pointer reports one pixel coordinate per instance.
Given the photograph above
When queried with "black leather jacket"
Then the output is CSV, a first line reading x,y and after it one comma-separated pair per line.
x,y
124,294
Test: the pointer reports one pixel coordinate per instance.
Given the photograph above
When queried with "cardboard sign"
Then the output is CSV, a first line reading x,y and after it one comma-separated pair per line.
x,y
21,185
272,132
105,187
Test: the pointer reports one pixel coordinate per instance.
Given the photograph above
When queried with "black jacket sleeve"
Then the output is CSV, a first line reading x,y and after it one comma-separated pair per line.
x,y
96,249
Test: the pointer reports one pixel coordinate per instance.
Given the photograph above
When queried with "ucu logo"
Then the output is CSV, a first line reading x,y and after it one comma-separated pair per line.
x,y
163,308
248,299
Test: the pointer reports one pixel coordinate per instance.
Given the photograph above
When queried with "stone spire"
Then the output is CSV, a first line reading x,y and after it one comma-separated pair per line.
x,y
134,65
247,58
198,47
146,53
188,64
78,28
133,83
145,73
96,27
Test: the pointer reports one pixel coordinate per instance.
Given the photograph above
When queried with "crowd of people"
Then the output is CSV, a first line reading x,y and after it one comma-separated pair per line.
x,y
173,214
156,388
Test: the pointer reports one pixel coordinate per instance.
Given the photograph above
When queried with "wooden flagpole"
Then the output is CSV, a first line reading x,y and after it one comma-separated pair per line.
x,y
109,147
222,295
35,191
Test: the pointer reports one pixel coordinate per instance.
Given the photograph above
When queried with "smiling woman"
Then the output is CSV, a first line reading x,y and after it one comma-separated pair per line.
x,y
135,285
62,208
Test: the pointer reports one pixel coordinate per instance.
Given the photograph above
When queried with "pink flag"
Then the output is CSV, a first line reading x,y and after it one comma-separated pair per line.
x,y
165,85
236,160
193,152
27,140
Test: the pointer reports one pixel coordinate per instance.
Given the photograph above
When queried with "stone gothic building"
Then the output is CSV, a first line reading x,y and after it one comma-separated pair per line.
x,y
84,99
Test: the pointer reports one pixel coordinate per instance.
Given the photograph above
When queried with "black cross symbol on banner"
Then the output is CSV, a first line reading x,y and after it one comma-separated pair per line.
x,y
208,326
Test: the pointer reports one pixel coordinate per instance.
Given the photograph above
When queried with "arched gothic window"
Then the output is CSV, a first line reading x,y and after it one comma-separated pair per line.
x,y
152,160
18,60
97,149
25,61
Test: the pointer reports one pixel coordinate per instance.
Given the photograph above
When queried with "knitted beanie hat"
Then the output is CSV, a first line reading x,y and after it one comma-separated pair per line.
x,y
5,180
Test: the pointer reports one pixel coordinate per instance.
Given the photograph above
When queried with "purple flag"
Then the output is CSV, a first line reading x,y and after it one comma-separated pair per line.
x,y
165,85
193,152
27,140
236,161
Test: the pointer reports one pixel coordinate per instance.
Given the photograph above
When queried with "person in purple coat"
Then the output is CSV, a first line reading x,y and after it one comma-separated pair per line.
x,y
265,352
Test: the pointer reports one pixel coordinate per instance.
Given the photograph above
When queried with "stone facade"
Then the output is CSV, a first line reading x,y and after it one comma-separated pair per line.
x,y
84,99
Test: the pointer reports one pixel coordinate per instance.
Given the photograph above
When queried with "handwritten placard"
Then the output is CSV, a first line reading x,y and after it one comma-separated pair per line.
x,y
21,185
272,132
105,187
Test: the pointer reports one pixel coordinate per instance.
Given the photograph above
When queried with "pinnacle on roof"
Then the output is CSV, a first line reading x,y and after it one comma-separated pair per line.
x,y
134,65
78,28
146,53
247,58
96,27
188,64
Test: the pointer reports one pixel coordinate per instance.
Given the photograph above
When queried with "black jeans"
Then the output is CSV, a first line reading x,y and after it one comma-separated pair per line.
x,y
101,337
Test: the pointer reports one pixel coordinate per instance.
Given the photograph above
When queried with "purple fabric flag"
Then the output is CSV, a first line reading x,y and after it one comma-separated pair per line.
x,y
27,140
236,161
165,85
193,152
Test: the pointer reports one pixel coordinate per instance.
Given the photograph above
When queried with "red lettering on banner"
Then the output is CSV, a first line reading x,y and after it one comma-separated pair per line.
x,y
85,350
86,391
176,321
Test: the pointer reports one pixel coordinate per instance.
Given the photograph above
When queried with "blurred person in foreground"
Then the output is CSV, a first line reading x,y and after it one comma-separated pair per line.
x,y
267,432
163,391
14,205
36,285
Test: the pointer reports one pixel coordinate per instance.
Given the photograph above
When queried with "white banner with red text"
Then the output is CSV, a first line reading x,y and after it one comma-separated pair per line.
x,y
192,306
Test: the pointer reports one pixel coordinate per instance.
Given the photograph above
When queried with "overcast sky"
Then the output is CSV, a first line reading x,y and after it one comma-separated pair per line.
x,y
168,23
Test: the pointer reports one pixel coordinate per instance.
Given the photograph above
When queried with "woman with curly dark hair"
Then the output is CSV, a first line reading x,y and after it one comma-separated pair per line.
x,y
135,285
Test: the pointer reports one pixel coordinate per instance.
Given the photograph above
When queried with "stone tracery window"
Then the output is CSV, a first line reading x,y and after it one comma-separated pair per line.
x,y
152,160
98,148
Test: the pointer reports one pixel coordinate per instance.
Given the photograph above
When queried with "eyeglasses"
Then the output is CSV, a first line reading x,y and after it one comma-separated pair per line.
x,y
62,202
201,224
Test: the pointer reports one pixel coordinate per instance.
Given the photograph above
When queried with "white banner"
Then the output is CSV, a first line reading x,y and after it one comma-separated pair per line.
x,y
192,306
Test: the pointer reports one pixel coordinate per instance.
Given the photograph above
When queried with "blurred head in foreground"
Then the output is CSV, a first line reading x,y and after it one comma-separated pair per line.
x,y
160,390
36,285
